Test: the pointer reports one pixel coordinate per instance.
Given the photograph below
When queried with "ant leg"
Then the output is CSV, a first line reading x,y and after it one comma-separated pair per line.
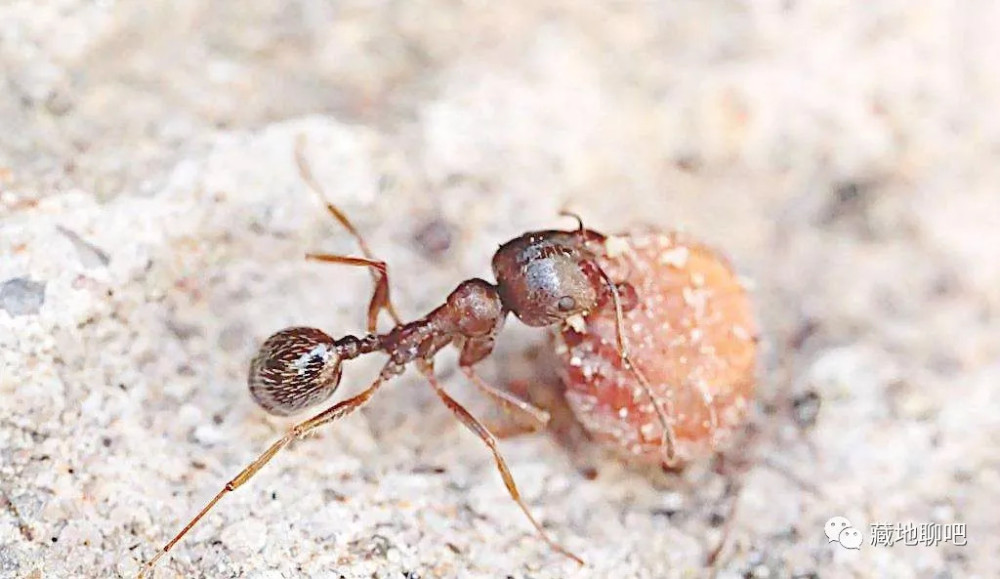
x,y
479,430
474,350
306,174
508,400
380,297
336,411
380,300
668,442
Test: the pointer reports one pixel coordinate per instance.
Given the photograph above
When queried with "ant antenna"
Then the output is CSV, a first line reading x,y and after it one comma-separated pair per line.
x,y
623,351
668,441
579,220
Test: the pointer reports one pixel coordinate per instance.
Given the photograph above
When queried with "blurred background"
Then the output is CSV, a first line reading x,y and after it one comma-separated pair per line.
x,y
152,227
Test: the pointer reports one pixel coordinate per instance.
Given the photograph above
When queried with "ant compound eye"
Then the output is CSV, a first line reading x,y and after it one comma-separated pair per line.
x,y
566,304
294,369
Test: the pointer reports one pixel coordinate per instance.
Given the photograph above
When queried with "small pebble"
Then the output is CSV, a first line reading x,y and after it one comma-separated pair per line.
x,y
20,296
434,238
806,407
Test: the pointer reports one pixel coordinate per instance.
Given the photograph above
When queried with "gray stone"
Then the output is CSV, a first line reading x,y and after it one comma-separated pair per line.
x,y
21,296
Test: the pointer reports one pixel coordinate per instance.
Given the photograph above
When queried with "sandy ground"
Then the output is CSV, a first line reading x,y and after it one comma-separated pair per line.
x,y
152,228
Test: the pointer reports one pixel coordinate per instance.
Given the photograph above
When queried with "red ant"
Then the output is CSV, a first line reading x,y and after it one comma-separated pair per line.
x,y
545,278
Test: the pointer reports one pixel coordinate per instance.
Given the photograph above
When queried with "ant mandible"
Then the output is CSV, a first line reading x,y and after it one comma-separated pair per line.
x,y
545,278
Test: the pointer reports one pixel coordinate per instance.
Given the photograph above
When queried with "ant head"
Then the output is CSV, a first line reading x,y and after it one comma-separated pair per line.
x,y
294,369
546,277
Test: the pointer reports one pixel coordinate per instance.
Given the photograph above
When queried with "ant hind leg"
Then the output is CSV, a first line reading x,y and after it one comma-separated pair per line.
x,y
380,273
336,411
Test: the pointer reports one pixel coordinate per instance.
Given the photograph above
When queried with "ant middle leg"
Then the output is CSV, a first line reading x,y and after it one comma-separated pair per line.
x,y
477,428
539,418
473,350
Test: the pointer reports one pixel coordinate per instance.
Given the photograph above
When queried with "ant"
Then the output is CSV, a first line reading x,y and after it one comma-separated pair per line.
x,y
546,278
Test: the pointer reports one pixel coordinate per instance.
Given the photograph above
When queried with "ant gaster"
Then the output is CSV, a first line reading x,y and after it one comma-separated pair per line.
x,y
545,278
